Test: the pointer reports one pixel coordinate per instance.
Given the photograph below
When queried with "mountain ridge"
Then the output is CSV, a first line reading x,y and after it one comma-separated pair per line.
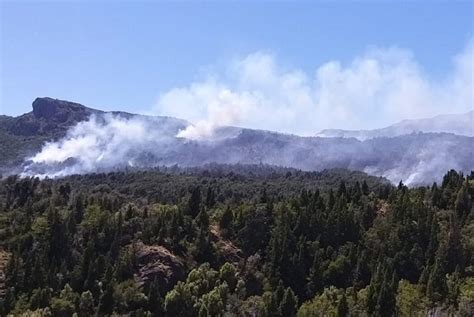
x,y
461,124
49,120
415,157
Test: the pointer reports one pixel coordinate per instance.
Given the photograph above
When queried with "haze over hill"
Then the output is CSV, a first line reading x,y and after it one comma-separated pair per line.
x,y
462,124
84,140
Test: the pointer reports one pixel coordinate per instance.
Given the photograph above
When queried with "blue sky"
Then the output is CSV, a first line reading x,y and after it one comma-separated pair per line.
x,y
142,57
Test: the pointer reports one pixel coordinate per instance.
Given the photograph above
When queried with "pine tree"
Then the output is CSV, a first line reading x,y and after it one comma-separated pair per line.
x,y
331,200
179,301
227,273
342,307
155,302
280,292
203,221
435,195
454,252
106,304
210,198
315,274
365,188
453,286
289,303
388,290
271,304
203,311
463,203
342,191
374,289
436,287
194,202
86,304
225,223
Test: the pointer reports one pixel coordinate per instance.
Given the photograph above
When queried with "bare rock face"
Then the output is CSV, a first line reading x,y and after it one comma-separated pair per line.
x,y
226,249
60,111
50,117
156,261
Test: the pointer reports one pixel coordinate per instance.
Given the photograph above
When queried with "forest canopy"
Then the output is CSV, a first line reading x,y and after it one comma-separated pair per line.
x,y
235,241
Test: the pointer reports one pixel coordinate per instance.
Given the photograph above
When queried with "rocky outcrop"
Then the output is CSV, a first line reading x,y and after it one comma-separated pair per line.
x,y
155,261
50,118
60,111
226,249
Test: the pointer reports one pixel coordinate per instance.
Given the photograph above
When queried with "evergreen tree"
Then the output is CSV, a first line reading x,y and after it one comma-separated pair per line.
x,y
289,303
225,223
374,289
342,307
155,301
179,302
365,188
194,202
210,198
203,312
86,304
463,203
436,287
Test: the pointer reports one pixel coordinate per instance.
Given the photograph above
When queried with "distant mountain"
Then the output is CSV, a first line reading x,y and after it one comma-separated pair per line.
x,y
461,124
89,140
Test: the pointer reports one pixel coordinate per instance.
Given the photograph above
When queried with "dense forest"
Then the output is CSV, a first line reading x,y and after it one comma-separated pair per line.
x,y
235,241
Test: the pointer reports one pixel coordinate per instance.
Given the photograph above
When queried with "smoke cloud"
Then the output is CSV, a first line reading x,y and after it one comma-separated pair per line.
x,y
376,89
102,143
112,142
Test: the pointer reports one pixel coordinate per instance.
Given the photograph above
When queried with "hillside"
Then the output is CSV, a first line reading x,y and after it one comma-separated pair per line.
x,y
88,140
50,119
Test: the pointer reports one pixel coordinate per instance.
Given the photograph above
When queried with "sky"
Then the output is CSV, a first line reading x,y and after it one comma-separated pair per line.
x,y
294,67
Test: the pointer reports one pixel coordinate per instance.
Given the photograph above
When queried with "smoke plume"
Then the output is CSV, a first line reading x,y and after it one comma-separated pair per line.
x,y
103,142
378,88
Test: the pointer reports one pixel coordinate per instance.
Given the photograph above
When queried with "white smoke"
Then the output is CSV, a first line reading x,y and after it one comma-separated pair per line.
x,y
425,162
223,108
110,142
103,142
376,89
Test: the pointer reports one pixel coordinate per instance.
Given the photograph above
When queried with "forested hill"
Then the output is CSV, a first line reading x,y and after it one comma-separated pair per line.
x,y
60,138
235,241
230,182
